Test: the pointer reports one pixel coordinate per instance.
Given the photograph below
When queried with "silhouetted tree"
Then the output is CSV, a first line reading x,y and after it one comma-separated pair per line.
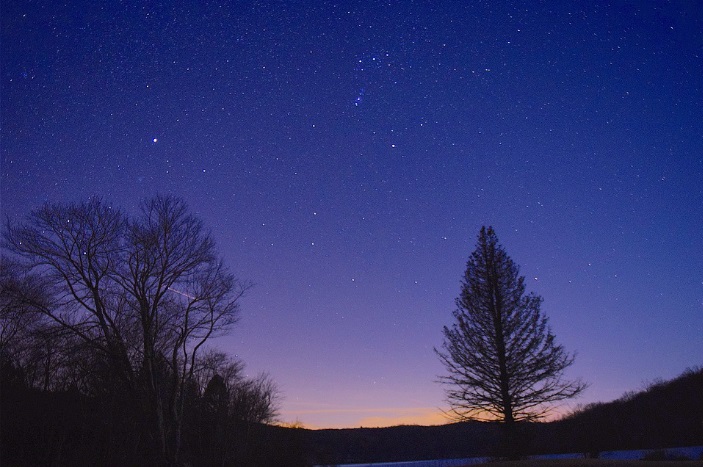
x,y
143,293
254,400
229,407
48,356
501,356
214,362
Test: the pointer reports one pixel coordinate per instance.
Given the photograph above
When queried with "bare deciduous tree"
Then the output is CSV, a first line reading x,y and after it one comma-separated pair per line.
x,y
16,306
251,400
145,292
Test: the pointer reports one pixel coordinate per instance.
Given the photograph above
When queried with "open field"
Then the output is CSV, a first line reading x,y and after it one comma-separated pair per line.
x,y
593,462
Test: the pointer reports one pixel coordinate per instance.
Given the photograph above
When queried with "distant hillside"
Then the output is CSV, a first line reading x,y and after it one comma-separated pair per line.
x,y
401,443
666,414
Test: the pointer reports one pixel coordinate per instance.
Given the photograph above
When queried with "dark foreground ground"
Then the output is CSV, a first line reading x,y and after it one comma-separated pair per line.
x,y
593,462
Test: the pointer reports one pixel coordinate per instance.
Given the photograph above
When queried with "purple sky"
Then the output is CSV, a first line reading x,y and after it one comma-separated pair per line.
x,y
345,156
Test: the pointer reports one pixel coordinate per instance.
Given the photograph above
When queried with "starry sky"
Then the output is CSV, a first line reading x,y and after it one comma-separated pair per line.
x,y
346,154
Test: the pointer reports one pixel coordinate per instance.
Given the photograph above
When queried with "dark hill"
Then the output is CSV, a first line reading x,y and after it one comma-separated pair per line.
x,y
401,443
666,414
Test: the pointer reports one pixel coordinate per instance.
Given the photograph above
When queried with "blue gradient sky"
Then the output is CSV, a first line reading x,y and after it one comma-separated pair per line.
x,y
346,154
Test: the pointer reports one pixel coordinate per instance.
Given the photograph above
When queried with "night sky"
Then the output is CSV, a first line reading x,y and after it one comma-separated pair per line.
x,y
345,156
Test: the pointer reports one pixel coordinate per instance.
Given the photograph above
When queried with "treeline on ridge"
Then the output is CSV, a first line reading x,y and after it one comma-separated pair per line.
x,y
665,414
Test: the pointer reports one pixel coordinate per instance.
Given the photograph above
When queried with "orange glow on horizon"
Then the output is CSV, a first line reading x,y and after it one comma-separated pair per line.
x,y
332,418
364,417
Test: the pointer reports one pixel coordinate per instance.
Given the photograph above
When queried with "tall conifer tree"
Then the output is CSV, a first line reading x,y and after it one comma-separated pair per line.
x,y
501,356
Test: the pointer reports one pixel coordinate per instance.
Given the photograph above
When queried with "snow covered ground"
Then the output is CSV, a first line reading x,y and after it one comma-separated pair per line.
x,y
689,452
434,463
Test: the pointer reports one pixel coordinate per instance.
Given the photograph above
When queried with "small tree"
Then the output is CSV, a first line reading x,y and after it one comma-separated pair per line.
x,y
501,356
